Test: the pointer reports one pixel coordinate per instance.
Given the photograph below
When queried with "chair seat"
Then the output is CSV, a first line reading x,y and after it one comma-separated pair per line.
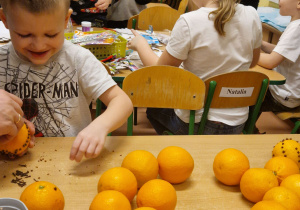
x,y
288,115
294,116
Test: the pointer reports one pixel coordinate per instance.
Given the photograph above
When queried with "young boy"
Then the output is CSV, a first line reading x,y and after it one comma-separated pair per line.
x,y
285,59
56,79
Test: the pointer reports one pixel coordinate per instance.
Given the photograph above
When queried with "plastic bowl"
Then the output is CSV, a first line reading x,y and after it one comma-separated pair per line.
x,y
12,204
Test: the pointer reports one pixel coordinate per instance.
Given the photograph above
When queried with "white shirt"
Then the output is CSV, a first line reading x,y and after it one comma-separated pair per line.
x,y
289,47
204,52
56,96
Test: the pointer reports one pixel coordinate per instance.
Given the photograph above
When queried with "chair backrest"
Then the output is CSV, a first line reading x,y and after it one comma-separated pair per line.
x,y
133,22
159,17
235,89
183,6
165,87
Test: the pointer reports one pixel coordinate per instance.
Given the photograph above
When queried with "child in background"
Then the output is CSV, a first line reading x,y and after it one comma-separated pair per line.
x,y
221,36
285,59
94,11
56,79
119,13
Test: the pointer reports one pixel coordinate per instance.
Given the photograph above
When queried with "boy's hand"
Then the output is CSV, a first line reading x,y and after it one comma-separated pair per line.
x,y
89,143
137,41
103,4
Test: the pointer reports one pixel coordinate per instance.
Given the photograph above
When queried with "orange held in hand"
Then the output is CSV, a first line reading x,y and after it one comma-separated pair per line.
x,y
110,200
43,195
284,196
142,164
256,182
175,164
18,145
230,165
158,194
119,179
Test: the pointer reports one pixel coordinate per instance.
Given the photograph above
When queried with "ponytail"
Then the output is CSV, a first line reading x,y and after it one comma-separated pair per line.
x,y
223,14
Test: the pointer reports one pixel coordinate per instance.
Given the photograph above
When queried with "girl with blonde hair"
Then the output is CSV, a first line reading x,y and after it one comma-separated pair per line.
x,y
221,36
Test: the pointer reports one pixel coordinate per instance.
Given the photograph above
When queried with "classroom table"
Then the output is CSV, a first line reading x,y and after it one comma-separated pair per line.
x,y
49,161
275,77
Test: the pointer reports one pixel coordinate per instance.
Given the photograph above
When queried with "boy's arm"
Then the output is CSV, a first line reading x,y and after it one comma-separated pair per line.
x,y
267,47
270,61
90,141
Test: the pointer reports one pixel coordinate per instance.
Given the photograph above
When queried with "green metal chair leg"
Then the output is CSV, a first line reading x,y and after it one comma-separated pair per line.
x,y
296,127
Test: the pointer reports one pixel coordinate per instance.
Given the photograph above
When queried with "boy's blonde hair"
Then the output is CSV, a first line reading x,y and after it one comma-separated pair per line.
x,y
223,14
35,6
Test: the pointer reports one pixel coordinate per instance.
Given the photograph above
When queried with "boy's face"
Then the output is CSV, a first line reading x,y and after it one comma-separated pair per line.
x,y
289,8
36,37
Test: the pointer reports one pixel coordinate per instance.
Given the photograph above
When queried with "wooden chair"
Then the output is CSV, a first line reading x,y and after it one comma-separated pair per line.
x,y
254,83
182,8
133,22
164,87
160,18
293,116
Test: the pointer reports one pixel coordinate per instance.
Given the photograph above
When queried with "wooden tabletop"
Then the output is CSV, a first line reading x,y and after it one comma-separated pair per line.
x,y
275,77
49,161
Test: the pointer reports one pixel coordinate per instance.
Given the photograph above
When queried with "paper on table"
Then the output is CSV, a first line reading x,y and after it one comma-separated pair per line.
x,y
4,33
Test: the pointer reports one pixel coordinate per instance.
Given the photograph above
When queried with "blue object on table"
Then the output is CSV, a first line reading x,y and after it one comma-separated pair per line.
x,y
150,39
271,16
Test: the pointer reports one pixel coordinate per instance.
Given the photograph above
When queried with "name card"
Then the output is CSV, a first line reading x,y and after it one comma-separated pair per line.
x,y
236,92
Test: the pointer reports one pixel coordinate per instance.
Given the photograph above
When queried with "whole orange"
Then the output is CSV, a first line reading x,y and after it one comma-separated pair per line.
x,y
284,196
142,164
119,179
282,167
287,148
145,208
110,200
256,182
158,194
175,164
230,165
43,195
292,182
268,205
17,145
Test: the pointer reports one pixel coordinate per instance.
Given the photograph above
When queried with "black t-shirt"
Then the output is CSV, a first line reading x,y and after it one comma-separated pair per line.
x,y
85,10
253,3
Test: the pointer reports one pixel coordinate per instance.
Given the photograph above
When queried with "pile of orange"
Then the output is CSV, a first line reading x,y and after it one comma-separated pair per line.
x,y
276,186
140,170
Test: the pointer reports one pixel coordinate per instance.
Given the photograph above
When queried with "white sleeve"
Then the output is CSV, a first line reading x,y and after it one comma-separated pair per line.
x,y
289,43
93,76
180,42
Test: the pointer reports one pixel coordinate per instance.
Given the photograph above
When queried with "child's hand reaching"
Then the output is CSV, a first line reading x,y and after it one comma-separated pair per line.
x,y
137,42
89,143
103,4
